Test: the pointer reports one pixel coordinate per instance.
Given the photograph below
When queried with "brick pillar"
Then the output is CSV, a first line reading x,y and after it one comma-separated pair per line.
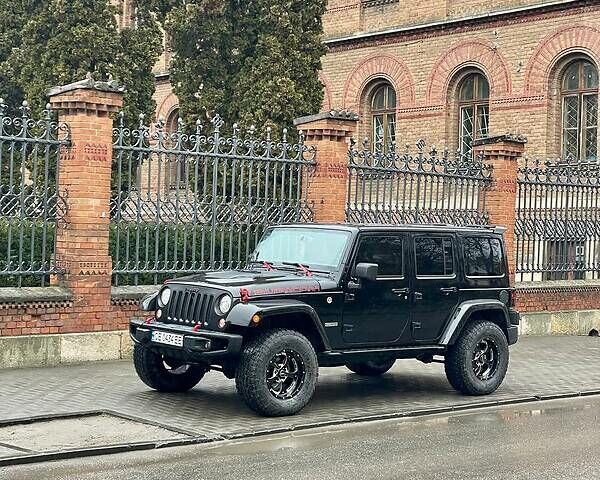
x,y
502,152
327,189
81,251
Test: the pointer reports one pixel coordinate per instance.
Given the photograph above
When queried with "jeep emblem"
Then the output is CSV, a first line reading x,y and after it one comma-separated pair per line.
x,y
329,300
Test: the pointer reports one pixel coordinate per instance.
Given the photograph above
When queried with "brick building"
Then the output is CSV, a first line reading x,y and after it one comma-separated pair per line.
x,y
449,71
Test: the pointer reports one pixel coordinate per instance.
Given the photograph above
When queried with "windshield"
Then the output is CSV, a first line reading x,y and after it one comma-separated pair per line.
x,y
313,247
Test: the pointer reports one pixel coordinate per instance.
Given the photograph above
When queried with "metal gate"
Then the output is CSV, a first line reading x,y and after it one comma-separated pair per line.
x,y
186,202
30,204
557,232
426,187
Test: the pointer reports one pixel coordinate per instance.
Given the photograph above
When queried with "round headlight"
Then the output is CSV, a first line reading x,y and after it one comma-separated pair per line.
x,y
224,304
164,296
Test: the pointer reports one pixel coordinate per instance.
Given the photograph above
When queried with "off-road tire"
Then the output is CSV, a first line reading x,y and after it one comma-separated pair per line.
x,y
460,357
150,367
251,375
372,368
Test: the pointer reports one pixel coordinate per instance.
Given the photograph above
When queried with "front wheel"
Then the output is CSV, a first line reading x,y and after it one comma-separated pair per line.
x,y
476,364
277,373
371,368
165,374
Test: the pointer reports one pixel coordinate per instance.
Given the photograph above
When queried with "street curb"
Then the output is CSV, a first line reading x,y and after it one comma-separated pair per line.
x,y
195,439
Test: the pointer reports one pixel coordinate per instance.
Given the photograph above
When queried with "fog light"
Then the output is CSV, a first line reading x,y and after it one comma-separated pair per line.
x,y
159,313
256,319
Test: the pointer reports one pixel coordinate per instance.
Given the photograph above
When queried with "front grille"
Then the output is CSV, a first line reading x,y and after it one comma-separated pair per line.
x,y
189,306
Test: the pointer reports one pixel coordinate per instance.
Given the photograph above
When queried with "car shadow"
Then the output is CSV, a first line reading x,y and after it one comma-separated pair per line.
x,y
336,396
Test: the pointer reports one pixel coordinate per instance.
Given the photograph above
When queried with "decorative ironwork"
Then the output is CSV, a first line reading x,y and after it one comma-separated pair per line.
x,y
558,220
30,204
427,187
186,202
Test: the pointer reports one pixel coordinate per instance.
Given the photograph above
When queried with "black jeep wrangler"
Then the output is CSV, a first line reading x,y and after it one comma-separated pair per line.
x,y
331,295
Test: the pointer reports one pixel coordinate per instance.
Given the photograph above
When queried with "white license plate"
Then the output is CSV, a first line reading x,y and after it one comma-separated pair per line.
x,y
167,338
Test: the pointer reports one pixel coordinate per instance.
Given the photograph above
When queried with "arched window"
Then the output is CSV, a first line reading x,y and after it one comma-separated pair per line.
x,y
474,110
383,117
579,94
172,121
176,174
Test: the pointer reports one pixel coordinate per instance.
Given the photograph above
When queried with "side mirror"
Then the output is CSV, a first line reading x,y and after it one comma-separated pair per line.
x,y
366,271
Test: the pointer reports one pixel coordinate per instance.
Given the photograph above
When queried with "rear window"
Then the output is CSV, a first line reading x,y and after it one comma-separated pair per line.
x,y
483,257
434,256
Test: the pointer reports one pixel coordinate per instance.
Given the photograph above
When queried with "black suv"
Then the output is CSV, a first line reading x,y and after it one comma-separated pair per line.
x,y
331,295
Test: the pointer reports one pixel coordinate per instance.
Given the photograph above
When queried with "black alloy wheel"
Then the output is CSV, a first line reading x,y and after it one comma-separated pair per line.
x,y
485,359
477,363
277,372
285,374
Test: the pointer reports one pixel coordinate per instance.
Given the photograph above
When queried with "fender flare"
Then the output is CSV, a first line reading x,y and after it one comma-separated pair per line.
x,y
461,315
149,302
241,313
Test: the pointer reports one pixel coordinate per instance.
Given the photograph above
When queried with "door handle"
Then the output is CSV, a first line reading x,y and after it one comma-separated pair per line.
x,y
401,292
418,296
448,290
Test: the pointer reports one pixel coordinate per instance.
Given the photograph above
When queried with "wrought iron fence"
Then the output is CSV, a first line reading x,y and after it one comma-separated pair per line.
x,y
184,203
426,187
30,205
558,221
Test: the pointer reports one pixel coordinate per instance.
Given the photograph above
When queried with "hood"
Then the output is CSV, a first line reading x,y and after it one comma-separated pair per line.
x,y
256,282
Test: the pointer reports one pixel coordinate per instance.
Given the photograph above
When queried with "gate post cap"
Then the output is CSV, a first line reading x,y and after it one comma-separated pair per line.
x,y
330,115
101,98
88,83
507,137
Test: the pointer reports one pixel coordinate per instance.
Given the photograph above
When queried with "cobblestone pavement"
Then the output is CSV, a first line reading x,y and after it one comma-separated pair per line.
x,y
540,367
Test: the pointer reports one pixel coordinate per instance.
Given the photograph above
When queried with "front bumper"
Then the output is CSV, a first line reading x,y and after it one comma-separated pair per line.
x,y
194,343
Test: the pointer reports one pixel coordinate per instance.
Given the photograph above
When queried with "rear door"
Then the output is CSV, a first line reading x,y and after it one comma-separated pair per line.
x,y
379,311
435,284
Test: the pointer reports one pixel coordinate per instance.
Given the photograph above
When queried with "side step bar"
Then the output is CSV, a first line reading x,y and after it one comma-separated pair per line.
x,y
341,357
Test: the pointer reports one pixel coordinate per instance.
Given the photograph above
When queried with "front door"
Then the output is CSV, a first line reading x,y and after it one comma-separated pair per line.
x,y
435,285
379,312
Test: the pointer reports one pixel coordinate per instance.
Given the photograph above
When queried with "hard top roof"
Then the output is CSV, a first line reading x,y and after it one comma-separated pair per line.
x,y
434,227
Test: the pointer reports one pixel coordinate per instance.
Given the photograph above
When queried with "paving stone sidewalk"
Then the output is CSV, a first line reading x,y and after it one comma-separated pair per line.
x,y
540,367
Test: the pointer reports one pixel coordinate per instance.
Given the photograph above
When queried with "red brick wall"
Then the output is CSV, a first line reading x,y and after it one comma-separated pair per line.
x,y
345,17
38,318
557,298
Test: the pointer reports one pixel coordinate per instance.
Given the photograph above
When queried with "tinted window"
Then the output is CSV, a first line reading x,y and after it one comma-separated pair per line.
x,y
385,252
434,256
483,257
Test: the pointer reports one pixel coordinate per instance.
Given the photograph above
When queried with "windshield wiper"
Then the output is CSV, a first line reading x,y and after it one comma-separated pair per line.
x,y
266,264
304,268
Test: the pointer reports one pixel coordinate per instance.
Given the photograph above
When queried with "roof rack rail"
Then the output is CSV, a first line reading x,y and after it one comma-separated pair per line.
x,y
474,225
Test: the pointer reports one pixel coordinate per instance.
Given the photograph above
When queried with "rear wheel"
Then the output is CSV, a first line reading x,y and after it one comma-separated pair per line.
x,y
165,374
372,367
277,373
476,364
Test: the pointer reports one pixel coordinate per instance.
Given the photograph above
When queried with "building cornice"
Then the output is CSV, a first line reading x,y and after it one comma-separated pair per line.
x,y
487,20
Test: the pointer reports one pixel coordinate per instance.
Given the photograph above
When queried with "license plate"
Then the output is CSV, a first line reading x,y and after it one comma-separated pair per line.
x,y
167,338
